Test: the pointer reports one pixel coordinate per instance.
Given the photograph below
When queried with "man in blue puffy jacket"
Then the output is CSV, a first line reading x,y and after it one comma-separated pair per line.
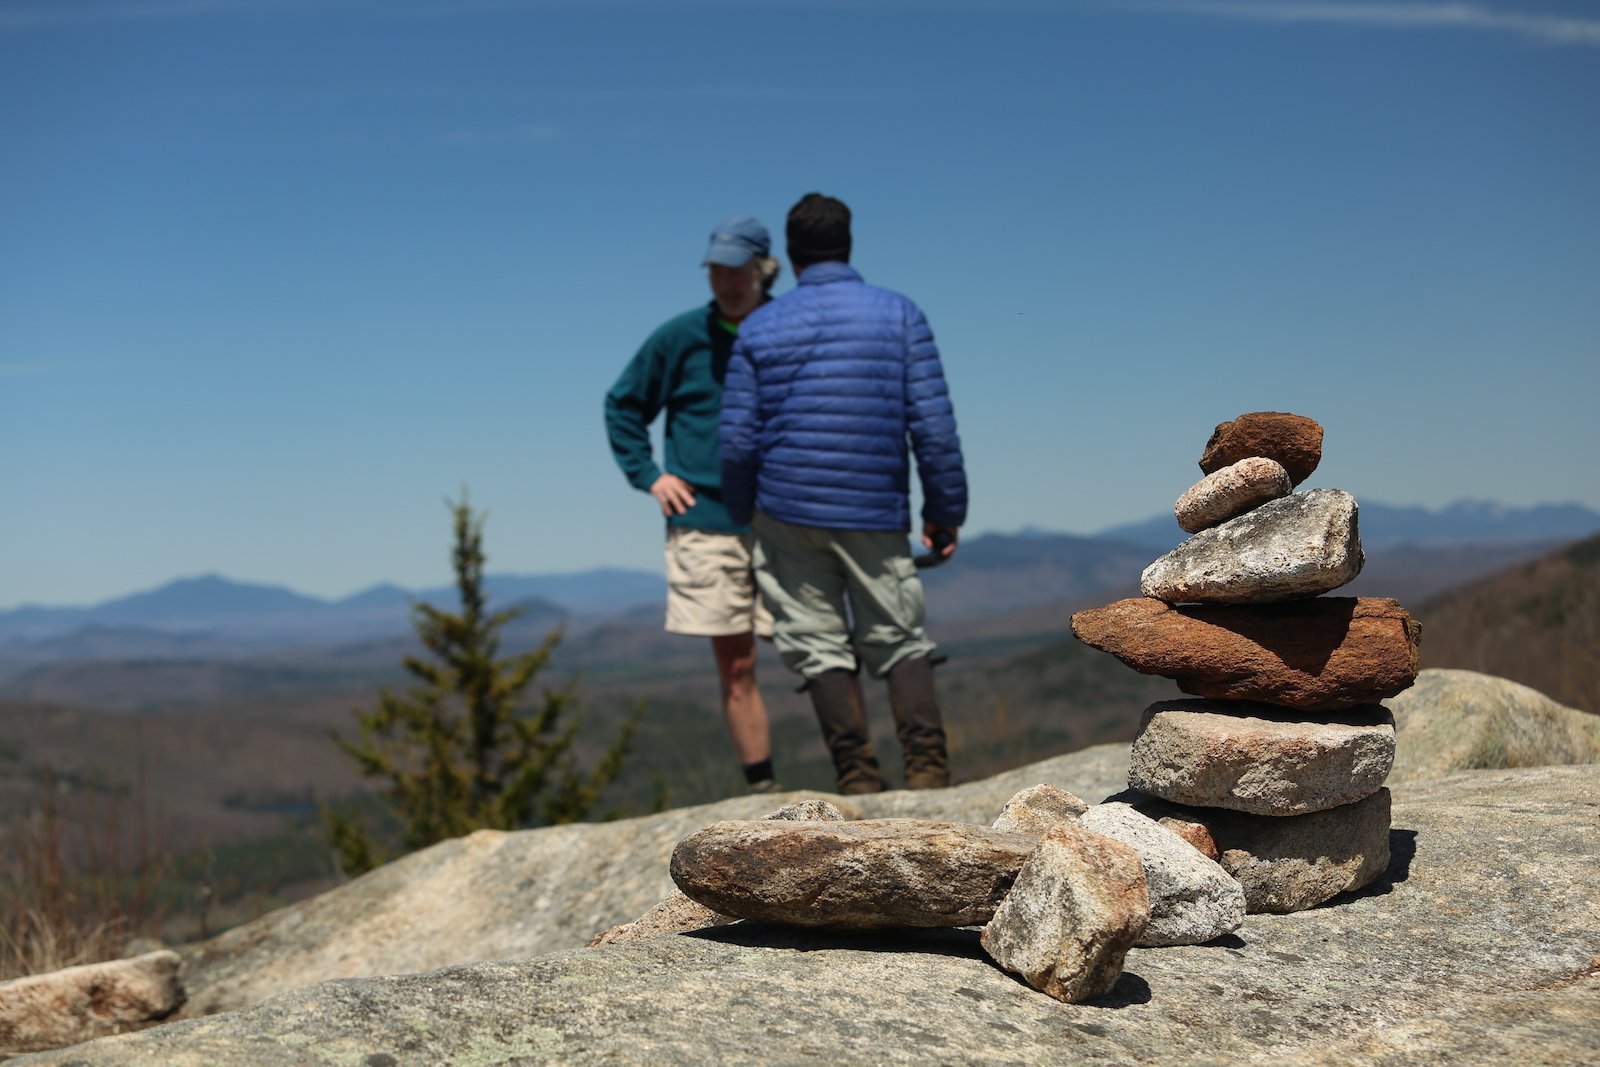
x,y
829,391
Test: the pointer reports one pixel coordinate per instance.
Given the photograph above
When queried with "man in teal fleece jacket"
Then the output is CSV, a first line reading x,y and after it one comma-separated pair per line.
x,y
711,588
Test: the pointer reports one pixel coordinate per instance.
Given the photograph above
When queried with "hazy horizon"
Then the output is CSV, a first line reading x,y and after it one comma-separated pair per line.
x,y
444,578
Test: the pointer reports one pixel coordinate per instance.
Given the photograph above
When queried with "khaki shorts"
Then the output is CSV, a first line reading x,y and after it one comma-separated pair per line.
x,y
711,585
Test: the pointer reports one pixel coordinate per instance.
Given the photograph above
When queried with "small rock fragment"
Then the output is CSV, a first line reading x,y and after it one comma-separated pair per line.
x,y
1077,906
1230,491
675,914
1038,808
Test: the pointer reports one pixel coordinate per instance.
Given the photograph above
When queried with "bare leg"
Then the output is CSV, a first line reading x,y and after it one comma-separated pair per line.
x,y
741,697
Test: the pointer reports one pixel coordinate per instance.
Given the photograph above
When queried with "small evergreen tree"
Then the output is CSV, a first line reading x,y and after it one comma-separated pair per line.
x,y
459,749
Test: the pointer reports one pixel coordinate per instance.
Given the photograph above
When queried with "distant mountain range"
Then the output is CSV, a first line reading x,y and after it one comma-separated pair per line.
x,y
1411,552
1466,522
212,615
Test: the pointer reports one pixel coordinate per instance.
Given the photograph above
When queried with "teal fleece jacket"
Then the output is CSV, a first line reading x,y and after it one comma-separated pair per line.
x,y
679,370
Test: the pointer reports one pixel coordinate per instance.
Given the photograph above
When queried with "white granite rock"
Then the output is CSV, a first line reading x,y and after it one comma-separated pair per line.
x,y
1300,545
1192,899
1078,904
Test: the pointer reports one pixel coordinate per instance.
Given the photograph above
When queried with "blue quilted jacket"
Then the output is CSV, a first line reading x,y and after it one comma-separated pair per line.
x,y
827,390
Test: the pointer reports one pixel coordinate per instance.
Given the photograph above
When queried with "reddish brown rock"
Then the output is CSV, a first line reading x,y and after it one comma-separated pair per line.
x,y
1293,440
1078,905
871,874
1322,654
1231,491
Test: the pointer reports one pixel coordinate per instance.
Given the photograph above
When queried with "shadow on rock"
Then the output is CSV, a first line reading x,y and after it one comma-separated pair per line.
x,y
960,942
1129,990
1402,850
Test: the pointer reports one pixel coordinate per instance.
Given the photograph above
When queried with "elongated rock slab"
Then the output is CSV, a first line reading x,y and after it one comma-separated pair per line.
x,y
1255,758
1322,654
1192,899
1078,905
1292,440
1301,545
870,874
1230,491
1291,864
677,914
65,1007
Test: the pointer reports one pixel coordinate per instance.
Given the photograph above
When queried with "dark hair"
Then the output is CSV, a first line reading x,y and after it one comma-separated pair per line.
x,y
818,230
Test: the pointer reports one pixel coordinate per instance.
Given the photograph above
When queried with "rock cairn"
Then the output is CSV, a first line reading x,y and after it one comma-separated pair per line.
x,y
1277,772
1061,890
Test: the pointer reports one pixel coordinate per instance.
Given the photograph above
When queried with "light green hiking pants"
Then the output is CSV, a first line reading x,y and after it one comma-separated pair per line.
x,y
834,593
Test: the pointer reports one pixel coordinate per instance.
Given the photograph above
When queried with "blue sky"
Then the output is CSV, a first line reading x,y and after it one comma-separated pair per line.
x,y
277,278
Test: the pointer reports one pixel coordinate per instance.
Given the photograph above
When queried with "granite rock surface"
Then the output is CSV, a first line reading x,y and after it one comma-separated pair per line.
x,y
1478,944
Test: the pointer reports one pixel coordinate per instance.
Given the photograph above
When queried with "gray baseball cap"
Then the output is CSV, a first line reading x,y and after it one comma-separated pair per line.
x,y
735,241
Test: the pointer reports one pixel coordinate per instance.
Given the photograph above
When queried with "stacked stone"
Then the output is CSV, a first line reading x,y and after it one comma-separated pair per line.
x,y
1278,772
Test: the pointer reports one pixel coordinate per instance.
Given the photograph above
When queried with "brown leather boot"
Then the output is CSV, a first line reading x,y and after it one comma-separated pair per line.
x,y
836,697
918,724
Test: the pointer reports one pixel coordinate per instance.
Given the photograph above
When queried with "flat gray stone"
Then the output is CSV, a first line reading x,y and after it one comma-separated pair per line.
x,y
1294,863
1260,759
1078,904
1300,545
1192,899
864,875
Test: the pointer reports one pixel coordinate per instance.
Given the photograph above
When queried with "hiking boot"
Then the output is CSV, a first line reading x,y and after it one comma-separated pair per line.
x,y
918,724
766,785
836,697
